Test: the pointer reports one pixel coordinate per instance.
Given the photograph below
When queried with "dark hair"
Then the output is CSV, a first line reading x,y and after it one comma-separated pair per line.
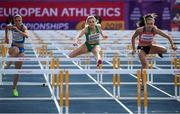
x,y
144,18
9,20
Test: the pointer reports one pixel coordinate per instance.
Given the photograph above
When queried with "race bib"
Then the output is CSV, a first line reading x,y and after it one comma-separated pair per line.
x,y
93,38
147,37
17,36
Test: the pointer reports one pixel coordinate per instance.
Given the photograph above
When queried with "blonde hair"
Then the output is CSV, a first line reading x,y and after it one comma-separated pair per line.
x,y
17,15
90,17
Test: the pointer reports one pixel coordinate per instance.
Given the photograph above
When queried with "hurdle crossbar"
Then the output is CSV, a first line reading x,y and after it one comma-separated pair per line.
x,y
89,71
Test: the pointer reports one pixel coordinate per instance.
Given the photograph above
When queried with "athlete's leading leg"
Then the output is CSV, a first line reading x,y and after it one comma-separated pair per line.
x,y
157,49
81,50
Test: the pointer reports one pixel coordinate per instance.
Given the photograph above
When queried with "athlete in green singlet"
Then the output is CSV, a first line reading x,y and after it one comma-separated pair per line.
x,y
92,32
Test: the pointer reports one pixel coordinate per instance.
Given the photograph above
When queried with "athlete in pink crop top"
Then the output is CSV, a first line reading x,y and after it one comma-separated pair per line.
x,y
146,32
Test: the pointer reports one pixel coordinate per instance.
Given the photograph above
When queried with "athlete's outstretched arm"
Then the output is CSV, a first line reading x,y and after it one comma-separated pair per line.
x,y
133,40
160,32
24,33
102,33
82,32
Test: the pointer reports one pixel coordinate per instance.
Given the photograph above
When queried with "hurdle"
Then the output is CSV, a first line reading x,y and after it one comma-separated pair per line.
x,y
57,63
176,64
52,75
177,86
52,63
129,60
67,92
139,91
57,82
87,61
3,54
151,64
61,91
116,77
144,74
44,52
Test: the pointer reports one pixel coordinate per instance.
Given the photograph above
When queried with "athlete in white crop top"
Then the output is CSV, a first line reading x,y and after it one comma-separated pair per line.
x,y
19,33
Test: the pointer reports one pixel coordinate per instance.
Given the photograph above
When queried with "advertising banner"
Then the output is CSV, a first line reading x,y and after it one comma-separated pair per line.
x,y
161,8
175,17
64,15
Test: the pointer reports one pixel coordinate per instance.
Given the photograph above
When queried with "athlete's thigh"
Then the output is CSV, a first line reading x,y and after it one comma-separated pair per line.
x,y
18,64
13,51
96,49
157,49
142,56
80,50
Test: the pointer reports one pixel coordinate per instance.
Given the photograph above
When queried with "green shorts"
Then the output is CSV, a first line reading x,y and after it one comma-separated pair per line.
x,y
90,46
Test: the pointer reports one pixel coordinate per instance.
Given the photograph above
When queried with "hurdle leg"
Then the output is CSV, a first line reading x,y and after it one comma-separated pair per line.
x,y
151,75
42,53
52,67
61,91
79,61
53,81
114,84
145,91
114,76
57,86
1,64
57,78
101,76
151,78
0,79
67,93
118,76
175,86
139,91
1,67
131,65
52,63
179,87
118,81
98,77
52,75
128,64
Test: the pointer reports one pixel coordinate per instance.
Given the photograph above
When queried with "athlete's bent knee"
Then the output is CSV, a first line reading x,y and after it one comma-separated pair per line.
x,y
14,51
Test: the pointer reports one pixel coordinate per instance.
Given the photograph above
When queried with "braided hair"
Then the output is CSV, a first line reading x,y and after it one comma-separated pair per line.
x,y
143,19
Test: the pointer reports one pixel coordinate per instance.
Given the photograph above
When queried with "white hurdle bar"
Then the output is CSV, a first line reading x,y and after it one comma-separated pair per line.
x,y
88,71
79,59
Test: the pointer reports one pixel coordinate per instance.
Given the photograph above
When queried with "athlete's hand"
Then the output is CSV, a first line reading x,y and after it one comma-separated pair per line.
x,y
9,27
133,52
14,28
75,44
105,37
174,47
